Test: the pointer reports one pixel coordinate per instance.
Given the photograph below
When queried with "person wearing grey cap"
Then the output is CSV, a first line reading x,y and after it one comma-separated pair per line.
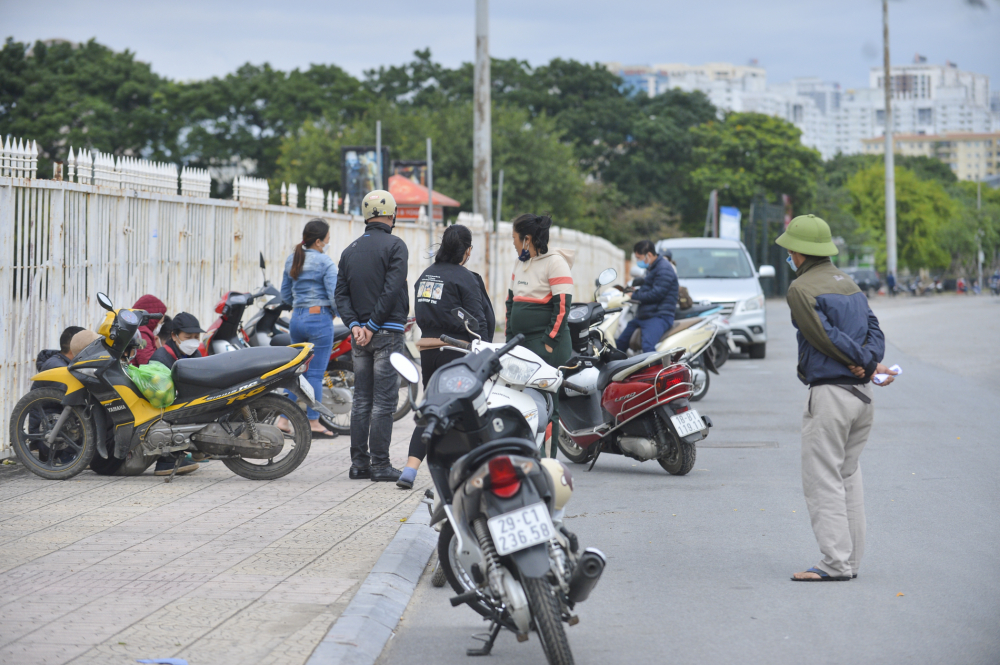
x,y
185,338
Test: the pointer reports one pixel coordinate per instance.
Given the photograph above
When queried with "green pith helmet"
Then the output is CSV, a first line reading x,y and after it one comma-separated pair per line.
x,y
810,235
380,203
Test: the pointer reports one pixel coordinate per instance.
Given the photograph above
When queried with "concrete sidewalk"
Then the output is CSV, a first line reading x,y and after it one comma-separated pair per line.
x,y
212,568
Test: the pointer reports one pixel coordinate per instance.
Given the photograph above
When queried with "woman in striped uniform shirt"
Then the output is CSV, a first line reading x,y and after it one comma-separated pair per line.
x,y
540,295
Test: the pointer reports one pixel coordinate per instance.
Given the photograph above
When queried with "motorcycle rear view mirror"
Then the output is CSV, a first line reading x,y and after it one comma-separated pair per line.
x,y
405,367
105,302
467,319
607,276
263,265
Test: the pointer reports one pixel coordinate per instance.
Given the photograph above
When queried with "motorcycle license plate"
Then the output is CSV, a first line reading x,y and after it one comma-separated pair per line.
x,y
687,423
307,388
521,528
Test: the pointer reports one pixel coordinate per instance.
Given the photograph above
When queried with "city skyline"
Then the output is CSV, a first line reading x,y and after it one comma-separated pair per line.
x,y
835,42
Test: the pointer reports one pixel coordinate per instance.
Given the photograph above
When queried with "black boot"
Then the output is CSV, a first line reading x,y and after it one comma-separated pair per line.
x,y
385,474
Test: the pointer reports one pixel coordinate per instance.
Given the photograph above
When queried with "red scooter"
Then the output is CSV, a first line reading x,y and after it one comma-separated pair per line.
x,y
637,407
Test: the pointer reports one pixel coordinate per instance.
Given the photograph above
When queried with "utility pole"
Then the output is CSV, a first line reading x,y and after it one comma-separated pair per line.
x,y
979,222
378,154
495,255
481,144
430,200
890,170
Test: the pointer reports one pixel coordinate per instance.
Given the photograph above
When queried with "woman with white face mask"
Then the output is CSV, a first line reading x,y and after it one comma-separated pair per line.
x,y
185,338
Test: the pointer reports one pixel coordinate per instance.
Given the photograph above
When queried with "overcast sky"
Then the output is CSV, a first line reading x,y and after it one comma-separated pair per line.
x,y
838,40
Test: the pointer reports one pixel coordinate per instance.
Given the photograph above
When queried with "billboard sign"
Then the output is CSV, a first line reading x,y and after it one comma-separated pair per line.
x,y
729,223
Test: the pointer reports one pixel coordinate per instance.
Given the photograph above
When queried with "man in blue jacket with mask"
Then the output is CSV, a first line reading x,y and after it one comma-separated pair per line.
x,y
657,298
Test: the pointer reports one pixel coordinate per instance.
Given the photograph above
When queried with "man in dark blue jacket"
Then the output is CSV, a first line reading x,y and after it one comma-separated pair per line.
x,y
657,298
840,348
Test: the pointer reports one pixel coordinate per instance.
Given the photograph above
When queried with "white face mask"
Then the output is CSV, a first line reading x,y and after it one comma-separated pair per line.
x,y
188,346
159,326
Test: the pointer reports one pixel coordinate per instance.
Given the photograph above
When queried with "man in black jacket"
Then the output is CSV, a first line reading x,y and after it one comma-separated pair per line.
x,y
373,301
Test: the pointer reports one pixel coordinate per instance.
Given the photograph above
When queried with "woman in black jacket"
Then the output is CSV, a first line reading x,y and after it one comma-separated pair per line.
x,y
439,290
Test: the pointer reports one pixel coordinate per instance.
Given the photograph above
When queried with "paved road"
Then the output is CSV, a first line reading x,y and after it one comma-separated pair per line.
x,y
699,566
212,568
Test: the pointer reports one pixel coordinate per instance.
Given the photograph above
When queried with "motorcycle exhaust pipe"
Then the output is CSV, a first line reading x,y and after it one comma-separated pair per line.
x,y
586,574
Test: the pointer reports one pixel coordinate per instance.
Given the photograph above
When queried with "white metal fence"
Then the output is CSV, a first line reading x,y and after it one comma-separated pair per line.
x,y
61,242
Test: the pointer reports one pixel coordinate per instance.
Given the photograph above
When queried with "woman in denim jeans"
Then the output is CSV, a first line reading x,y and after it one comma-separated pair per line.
x,y
309,283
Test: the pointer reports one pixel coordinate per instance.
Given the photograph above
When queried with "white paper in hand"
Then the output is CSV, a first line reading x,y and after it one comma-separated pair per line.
x,y
880,378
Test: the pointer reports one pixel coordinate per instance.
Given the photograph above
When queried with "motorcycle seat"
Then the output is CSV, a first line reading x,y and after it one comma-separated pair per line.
x,y
340,331
693,311
678,326
615,366
228,369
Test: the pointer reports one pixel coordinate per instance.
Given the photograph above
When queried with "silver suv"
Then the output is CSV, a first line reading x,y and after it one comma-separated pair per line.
x,y
722,272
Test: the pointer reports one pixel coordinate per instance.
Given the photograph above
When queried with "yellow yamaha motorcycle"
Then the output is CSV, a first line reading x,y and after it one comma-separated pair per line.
x,y
227,406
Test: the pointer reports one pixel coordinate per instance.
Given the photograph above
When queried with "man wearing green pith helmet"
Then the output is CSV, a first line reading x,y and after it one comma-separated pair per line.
x,y
840,348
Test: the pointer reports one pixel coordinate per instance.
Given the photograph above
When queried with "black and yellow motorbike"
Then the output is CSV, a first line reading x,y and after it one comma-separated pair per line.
x,y
227,406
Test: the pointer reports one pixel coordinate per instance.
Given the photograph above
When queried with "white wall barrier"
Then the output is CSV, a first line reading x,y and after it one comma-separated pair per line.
x,y
61,242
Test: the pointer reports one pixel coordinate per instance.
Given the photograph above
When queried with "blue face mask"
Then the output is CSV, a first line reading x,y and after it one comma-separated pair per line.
x,y
642,264
791,264
525,254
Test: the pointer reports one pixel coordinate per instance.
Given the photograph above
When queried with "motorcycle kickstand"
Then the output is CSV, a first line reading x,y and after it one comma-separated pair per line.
x,y
487,638
597,454
173,471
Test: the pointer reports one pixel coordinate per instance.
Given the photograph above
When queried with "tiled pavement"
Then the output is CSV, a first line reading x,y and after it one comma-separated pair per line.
x,y
212,568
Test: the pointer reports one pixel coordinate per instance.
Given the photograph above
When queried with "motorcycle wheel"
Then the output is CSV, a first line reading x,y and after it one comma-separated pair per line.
x,y
573,452
407,391
547,615
720,352
34,416
266,409
461,580
680,460
338,387
339,377
701,380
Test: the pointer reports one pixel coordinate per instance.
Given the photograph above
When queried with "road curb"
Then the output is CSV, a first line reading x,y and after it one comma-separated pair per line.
x,y
362,631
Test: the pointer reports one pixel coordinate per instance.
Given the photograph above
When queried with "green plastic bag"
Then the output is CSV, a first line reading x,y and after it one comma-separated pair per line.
x,y
155,382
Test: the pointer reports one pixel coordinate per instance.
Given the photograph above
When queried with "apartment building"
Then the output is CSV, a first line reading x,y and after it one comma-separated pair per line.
x,y
927,100
971,156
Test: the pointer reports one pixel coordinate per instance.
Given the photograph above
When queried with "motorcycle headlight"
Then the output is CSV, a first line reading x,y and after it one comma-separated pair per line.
x,y
753,304
517,371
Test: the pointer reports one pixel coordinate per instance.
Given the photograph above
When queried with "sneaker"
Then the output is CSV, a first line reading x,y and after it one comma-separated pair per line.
x,y
385,474
406,478
165,465
357,473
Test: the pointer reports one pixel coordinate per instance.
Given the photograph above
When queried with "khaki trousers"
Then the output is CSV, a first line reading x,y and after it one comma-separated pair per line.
x,y
835,428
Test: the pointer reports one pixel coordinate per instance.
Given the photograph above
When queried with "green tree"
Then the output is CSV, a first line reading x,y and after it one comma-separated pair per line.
x,y
923,210
540,173
747,153
242,118
86,96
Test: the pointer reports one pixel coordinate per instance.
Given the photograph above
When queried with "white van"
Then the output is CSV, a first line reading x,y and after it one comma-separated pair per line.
x,y
722,272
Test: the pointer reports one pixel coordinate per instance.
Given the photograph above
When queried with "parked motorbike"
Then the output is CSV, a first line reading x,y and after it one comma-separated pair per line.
x,y
268,328
696,331
223,407
638,407
503,545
